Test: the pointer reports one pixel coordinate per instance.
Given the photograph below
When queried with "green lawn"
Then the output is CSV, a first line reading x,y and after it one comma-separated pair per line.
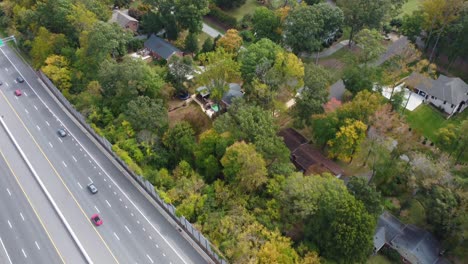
x,y
409,7
247,8
201,39
426,120
378,259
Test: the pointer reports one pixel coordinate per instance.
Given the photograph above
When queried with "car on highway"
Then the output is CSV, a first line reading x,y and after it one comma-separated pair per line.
x,y
92,188
97,221
20,79
61,132
18,92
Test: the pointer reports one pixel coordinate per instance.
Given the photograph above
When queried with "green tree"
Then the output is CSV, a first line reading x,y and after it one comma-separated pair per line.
x,y
220,70
52,14
313,95
180,141
244,166
358,78
98,44
208,45
149,114
121,82
191,43
229,4
208,153
189,14
370,44
334,221
412,25
256,57
44,45
179,69
359,14
266,24
444,211
367,194
307,26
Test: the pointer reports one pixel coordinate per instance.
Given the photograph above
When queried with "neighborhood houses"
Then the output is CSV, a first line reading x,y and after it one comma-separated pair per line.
x,y
269,131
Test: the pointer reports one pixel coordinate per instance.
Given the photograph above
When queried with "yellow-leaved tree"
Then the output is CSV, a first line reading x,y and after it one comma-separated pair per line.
x,y
347,140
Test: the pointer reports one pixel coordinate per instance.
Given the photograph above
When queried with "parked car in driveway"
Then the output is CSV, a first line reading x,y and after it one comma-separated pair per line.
x,y
92,188
61,132
97,221
20,79
18,92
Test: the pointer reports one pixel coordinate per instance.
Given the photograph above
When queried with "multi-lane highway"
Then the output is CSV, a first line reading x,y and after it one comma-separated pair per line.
x,y
134,231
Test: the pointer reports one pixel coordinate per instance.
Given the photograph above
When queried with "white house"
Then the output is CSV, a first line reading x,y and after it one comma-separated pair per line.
x,y
446,93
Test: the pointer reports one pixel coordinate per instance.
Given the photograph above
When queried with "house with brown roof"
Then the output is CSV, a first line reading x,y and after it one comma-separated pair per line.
x,y
306,157
122,18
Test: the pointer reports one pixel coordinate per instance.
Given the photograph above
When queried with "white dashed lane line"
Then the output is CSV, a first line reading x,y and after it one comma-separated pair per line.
x,y
90,179
10,224
38,128
64,164
128,229
35,107
73,157
37,245
61,141
24,253
108,203
116,236
80,185
47,123
9,193
22,217
95,207
149,258
50,144
25,94
157,246
26,110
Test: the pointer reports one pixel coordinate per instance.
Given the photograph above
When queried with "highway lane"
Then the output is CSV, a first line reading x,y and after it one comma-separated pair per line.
x,y
37,224
132,227
24,239
80,224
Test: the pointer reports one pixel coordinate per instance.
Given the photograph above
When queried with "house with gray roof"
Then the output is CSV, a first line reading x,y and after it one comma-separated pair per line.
x,y
414,244
122,18
161,49
446,93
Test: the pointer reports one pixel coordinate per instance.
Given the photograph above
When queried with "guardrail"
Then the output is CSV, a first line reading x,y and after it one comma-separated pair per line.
x,y
183,223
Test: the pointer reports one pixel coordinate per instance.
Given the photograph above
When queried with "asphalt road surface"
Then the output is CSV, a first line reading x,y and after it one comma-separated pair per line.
x,y
134,231
24,237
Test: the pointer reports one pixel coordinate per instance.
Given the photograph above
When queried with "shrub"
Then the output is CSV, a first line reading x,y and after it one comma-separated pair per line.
x,y
223,17
247,35
396,22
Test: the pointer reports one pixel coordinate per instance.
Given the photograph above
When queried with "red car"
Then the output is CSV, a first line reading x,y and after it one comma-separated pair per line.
x,y
97,221
18,92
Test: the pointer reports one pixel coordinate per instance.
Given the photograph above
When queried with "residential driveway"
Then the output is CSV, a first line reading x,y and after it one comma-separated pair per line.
x,y
411,100
211,31
337,89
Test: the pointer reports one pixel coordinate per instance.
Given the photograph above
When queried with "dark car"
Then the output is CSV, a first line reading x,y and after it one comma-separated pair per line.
x,y
92,188
20,79
183,95
97,221
61,132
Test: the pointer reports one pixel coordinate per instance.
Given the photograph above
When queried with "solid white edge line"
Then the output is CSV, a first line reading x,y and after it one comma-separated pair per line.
x,y
6,252
99,165
49,197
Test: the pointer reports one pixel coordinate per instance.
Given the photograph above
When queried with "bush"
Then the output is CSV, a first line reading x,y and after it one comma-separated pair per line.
x,y
387,28
135,45
223,17
247,35
246,21
396,22
391,254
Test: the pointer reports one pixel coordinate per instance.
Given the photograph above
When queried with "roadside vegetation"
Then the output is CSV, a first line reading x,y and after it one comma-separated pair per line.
x,y
232,175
